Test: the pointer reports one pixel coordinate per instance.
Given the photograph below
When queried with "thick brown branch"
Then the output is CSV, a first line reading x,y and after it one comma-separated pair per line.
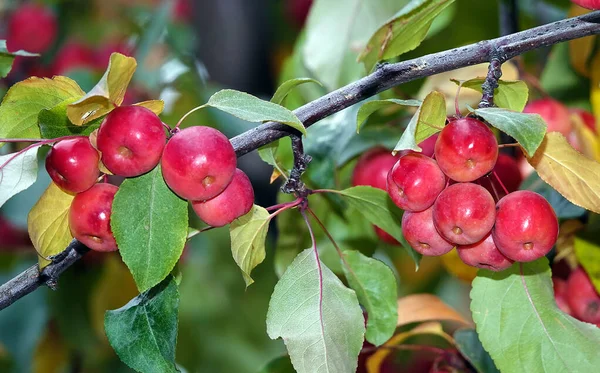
x,y
384,77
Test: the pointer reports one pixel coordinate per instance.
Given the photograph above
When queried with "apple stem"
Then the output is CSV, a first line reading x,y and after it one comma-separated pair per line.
x,y
188,114
313,240
285,205
508,145
456,106
500,182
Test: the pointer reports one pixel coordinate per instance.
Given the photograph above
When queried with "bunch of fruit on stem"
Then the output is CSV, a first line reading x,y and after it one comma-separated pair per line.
x,y
447,193
197,163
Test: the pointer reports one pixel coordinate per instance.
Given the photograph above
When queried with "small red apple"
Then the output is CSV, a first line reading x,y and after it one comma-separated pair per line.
x,y
555,114
32,27
73,164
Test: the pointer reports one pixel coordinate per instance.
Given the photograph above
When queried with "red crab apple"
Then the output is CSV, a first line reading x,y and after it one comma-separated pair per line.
x,y
415,181
419,231
484,254
588,118
73,164
373,167
560,295
89,217
464,213
236,200
198,163
590,4
582,297
555,114
32,28
526,226
466,149
73,55
131,140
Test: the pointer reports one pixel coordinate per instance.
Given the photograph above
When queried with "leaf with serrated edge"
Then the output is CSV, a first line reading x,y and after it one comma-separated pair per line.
x,y
144,331
370,107
150,224
48,223
527,129
54,122
285,88
377,207
429,119
253,109
155,106
248,234
404,32
510,94
24,100
19,174
375,286
521,327
107,94
588,255
569,172
318,318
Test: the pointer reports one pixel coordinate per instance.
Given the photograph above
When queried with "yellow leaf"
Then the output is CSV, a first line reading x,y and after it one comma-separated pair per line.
x,y
51,354
274,176
426,307
156,106
586,138
113,290
455,266
580,49
443,84
569,172
375,361
566,240
48,223
595,89
93,141
107,94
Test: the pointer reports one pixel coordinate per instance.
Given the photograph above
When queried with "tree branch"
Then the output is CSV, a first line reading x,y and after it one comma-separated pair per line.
x,y
384,77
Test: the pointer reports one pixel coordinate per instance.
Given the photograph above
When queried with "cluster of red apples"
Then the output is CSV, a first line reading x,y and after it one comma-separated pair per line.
x,y
197,163
448,192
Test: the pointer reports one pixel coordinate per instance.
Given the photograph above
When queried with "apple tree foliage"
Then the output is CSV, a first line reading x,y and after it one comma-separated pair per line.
x,y
317,307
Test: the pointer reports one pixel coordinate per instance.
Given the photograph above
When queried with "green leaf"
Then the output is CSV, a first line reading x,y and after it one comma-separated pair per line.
x,y
335,30
285,88
377,207
470,347
144,331
510,94
521,327
527,129
375,287
24,100
54,122
372,106
107,94
404,32
248,234
268,154
19,174
253,109
318,318
429,119
150,224
7,58
588,255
